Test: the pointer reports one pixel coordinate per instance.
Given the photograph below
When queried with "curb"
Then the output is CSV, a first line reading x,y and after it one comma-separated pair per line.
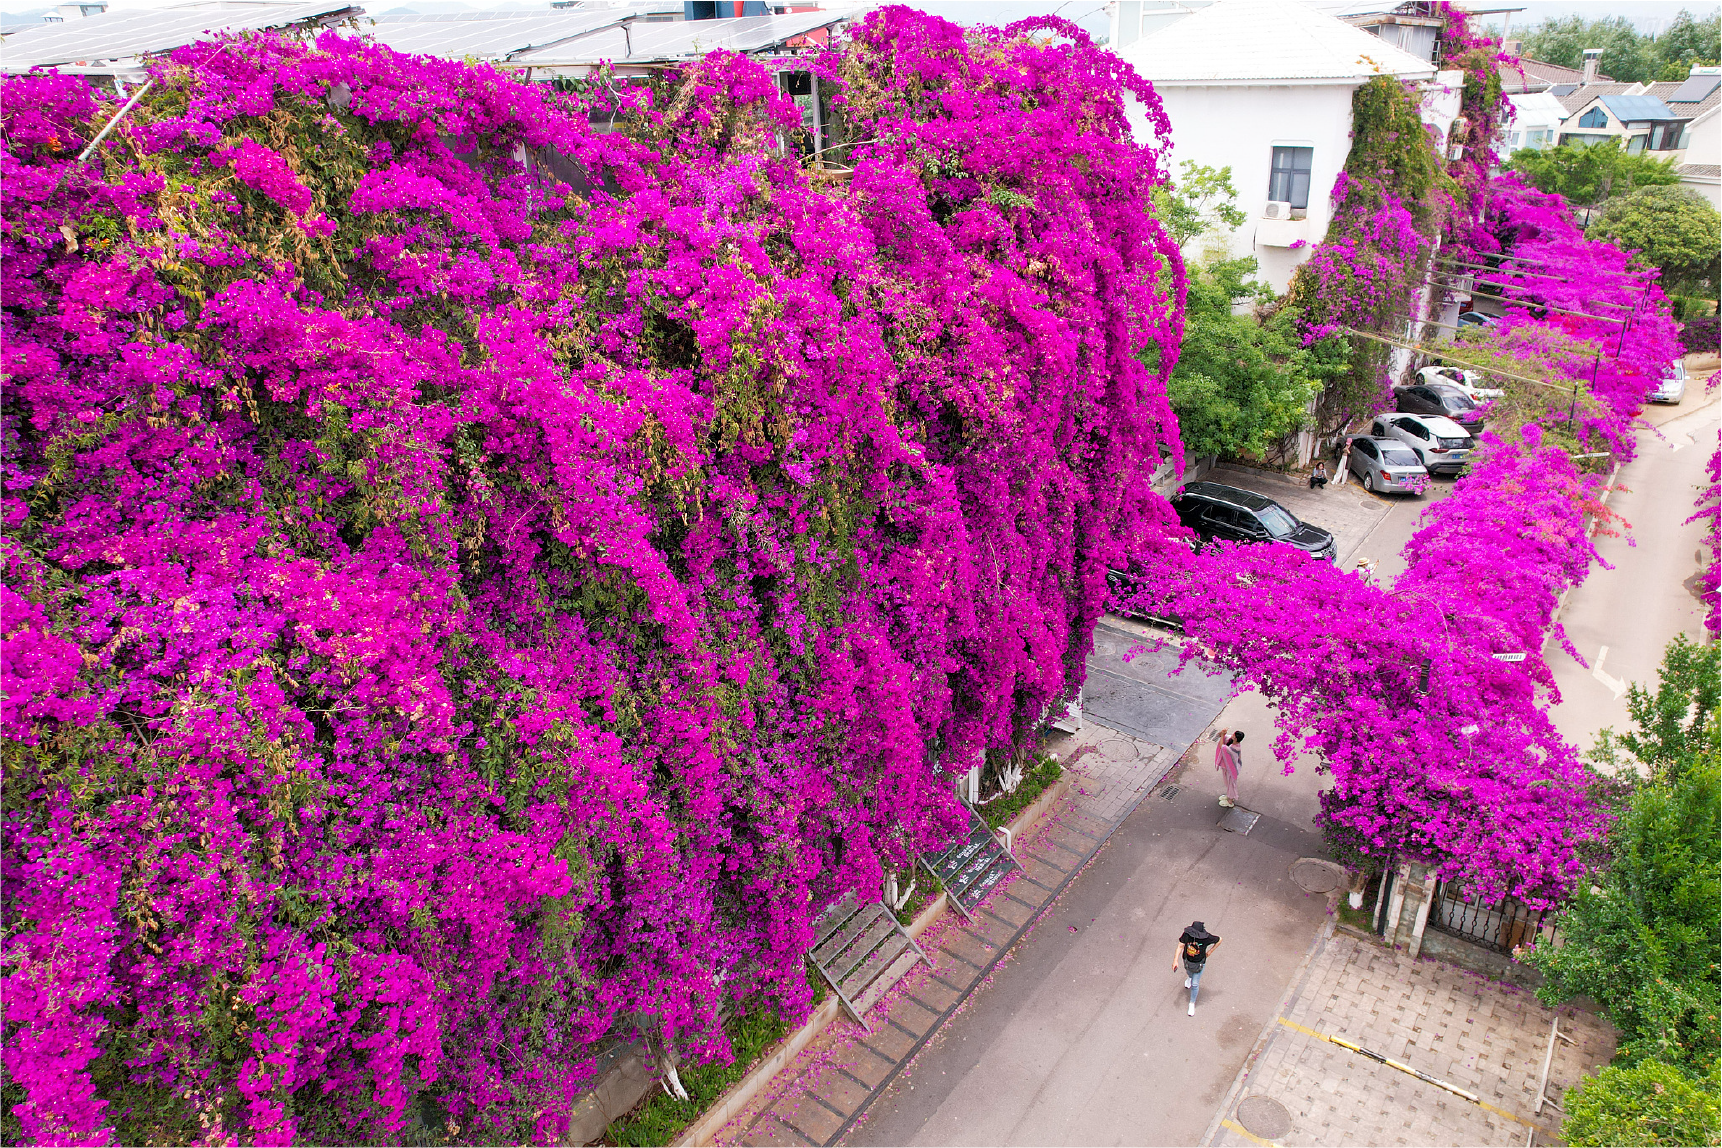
x,y
736,1097
1590,532
1299,981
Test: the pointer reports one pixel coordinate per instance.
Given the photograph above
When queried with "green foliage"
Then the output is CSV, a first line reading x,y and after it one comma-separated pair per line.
x,y
1390,151
663,1117
1203,198
1039,777
1589,175
1645,1103
1688,41
1242,384
1627,57
1642,941
1673,228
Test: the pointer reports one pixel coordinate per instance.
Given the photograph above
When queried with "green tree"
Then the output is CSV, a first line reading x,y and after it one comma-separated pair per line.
x,y
1202,199
1626,56
1645,1103
1642,940
1688,41
1242,384
1589,175
1674,228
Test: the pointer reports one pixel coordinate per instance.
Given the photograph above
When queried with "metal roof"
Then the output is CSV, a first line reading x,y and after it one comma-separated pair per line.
x,y
134,32
1632,109
662,42
489,35
1264,42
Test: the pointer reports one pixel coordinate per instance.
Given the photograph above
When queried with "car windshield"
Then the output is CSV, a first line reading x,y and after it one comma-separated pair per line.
x,y
1279,523
1457,403
1399,458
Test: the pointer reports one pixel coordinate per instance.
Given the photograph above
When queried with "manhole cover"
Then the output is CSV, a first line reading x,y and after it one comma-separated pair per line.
x,y
1313,875
1169,792
1264,1116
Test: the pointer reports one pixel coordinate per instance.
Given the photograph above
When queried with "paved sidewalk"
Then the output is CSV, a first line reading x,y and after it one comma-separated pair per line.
x,y
1480,1035
821,1094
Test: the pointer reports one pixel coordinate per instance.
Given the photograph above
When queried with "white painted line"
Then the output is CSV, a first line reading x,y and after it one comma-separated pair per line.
x,y
1615,684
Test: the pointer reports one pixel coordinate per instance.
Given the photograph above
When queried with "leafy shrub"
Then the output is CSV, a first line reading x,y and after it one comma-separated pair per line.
x,y
1702,336
1644,1103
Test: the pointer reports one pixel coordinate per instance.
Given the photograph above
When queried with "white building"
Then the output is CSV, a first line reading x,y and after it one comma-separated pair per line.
x,y
1264,87
1702,171
1537,118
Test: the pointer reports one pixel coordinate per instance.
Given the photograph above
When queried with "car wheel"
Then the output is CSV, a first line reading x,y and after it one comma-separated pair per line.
x,y
1369,483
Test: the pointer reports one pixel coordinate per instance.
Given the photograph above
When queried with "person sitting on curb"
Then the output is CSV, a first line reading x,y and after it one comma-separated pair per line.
x,y
1194,945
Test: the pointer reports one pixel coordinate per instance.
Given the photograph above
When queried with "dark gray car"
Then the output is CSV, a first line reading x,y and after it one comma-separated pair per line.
x,y
1386,464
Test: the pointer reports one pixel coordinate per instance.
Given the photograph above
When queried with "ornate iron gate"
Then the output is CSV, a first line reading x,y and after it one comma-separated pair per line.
x,y
1502,925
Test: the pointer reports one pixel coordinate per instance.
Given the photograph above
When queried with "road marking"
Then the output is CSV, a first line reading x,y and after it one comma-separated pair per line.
x,y
1234,1126
1407,1069
1613,683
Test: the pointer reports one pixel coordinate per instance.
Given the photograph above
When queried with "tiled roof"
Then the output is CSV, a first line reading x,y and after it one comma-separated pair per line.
x,y
1683,109
1539,76
1239,41
1584,96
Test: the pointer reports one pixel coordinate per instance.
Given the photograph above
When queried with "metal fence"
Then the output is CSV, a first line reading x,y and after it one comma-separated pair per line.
x,y
1503,925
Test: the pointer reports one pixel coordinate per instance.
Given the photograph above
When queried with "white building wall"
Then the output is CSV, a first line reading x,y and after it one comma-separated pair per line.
x,y
1239,126
1704,149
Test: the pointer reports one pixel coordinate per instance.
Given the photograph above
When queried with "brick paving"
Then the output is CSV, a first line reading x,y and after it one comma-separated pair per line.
x,y
820,1094
1483,1036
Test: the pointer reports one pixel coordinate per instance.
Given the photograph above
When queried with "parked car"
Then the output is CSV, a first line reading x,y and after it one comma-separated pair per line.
x,y
1386,464
1123,585
1468,383
1672,388
1214,510
1439,399
1474,319
1440,444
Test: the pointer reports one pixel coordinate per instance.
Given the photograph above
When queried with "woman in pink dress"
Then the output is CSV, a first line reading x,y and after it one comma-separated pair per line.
x,y
1228,756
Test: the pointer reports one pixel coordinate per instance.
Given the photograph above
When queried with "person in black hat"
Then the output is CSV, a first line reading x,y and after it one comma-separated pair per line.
x,y
1194,945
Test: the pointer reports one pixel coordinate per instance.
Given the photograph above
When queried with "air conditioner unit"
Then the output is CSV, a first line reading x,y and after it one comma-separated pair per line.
x,y
1277,209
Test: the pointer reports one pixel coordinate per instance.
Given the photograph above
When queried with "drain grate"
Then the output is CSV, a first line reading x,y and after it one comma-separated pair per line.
x,y
1169,792
1264,1116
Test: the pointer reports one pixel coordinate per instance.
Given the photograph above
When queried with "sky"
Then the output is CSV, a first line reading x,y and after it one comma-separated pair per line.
x,y
1650,16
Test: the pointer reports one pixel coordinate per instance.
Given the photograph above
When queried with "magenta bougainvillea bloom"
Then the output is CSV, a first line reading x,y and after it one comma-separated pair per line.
x,y
478,585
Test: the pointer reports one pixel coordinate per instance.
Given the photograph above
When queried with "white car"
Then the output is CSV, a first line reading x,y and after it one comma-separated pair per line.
x,y
1672,388
1440,444
1467,382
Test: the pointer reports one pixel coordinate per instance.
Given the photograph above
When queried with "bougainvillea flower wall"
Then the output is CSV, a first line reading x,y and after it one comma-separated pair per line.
x,y
476,583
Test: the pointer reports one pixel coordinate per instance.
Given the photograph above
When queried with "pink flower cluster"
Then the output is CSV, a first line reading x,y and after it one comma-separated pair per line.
x,y
497,620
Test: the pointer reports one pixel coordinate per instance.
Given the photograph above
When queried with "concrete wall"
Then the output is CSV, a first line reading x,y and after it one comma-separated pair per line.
x,y
1238,126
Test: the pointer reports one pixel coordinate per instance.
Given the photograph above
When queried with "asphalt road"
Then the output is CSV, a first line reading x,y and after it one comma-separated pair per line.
x,y
1082,1036
1634,609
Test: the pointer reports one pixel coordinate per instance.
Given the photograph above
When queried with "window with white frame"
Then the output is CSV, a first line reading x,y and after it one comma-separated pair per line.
x,y
1288,181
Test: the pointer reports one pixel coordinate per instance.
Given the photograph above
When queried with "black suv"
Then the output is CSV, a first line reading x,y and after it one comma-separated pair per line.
x,y
1216,511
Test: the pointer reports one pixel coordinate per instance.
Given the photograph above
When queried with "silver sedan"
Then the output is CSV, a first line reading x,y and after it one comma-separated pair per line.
x,y
1386,464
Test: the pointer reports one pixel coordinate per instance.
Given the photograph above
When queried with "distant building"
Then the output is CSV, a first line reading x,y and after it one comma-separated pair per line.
x,y
1536,122
1265,88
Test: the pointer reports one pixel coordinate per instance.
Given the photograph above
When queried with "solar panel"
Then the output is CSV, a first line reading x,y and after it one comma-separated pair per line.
x,y
650,42
1694,89
1637,108
124,34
